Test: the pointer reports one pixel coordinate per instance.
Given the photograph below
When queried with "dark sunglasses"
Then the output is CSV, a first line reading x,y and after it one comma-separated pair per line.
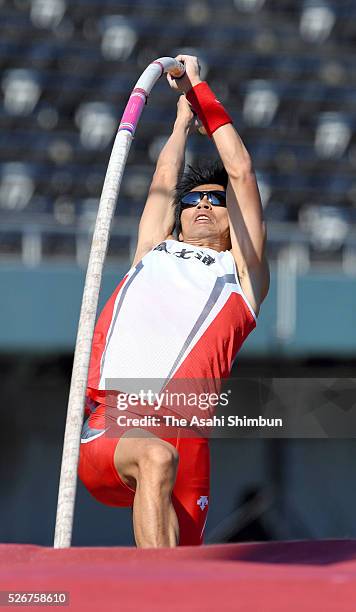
x,y
216,198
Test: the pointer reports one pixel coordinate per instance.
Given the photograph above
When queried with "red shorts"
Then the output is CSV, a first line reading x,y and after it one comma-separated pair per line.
x,y
190,495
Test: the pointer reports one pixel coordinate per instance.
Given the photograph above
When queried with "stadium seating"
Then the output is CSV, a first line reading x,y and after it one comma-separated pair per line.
x,y
283,67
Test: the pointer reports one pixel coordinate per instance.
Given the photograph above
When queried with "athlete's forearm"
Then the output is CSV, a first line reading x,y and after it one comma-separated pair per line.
x,y
233,153
172,156
218,125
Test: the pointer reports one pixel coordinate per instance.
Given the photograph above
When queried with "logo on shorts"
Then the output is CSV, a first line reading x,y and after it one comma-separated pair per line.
x,y
202,501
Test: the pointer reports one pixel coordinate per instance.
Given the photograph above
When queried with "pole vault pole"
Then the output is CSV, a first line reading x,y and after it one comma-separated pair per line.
x,y
117,162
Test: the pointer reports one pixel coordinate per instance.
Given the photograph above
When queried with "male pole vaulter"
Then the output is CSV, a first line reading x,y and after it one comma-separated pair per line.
x,y
182,311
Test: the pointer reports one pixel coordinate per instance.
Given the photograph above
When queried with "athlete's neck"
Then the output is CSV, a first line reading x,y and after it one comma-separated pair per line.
x,y
217,244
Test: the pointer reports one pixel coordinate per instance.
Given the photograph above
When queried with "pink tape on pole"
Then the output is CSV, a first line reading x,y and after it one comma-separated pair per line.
x,y
133,110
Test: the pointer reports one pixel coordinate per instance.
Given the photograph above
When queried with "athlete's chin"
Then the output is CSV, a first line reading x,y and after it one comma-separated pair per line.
x,y
203,231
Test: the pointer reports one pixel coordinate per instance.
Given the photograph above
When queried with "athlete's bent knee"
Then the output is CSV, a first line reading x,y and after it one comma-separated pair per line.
x,y
158,464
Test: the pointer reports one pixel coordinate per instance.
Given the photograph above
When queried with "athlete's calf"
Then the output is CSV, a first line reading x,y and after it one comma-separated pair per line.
x,y
149,465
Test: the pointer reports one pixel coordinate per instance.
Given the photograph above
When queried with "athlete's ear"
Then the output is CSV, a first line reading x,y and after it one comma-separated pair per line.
x,y
180,237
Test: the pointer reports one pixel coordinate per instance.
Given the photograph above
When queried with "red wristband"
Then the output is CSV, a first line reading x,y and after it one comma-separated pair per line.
x,y
210,111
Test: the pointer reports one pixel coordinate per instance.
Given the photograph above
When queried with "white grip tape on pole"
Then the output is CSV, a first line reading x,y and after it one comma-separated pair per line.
x,y
116,166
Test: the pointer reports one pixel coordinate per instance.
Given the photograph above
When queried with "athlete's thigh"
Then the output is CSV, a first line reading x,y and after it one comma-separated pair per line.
x,y
191,491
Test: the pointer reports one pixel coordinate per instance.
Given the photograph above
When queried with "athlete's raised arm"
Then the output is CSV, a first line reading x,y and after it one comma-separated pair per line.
x,y
247,227
157,220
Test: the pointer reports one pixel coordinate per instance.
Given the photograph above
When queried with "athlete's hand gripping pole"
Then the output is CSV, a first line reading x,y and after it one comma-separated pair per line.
x,y
122,143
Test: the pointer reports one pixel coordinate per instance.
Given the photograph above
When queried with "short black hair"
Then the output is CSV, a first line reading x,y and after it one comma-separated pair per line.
x,y
200,174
